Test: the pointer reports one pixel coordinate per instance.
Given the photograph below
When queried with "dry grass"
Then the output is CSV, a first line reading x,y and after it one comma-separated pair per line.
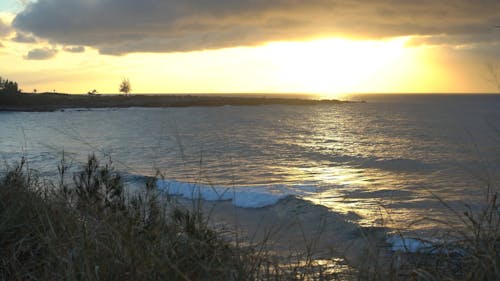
x,y
468,251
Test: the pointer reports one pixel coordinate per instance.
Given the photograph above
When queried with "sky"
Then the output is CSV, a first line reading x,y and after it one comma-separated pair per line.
x,y
328,47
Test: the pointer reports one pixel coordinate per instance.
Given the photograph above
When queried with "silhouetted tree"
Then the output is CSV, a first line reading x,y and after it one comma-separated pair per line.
x,y
125,86
8,87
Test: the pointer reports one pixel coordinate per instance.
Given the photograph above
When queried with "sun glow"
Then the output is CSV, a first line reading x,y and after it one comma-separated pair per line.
x,y
335,66
329,67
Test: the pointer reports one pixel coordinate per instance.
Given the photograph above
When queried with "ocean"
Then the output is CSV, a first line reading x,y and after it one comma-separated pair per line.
x,y
388,161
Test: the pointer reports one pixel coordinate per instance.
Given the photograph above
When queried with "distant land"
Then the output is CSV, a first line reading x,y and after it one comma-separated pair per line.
x,y
57,101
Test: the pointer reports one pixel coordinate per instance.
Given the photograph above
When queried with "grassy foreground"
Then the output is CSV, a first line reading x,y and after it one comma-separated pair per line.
x,y
89,229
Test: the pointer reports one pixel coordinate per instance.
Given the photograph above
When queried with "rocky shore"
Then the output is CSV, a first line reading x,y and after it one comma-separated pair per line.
x,y
54,101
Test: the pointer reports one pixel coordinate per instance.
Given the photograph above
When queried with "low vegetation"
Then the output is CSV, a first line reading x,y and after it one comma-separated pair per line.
x,y
90,231
89,228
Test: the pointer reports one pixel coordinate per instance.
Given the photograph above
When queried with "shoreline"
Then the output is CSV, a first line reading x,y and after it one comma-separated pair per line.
x,y
48,102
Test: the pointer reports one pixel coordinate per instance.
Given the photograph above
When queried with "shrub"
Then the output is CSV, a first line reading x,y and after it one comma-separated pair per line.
x,y
91,231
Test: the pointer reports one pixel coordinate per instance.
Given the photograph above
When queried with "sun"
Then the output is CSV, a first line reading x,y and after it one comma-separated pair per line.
x,y
332,67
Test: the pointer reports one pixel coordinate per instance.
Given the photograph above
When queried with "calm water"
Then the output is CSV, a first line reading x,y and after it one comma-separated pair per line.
x,y
387,155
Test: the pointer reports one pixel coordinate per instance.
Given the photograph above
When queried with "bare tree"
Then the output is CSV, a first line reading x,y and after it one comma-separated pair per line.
x,y
125,86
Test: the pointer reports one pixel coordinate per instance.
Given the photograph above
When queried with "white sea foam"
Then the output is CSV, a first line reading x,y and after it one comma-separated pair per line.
x,y
240,196
414,245
409,245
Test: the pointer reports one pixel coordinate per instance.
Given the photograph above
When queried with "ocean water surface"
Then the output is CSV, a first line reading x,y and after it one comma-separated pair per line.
x,y
385,161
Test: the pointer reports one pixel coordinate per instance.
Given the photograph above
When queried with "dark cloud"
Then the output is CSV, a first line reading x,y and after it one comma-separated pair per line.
x,y
74,49
122,26
24,38
5,29
41,54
